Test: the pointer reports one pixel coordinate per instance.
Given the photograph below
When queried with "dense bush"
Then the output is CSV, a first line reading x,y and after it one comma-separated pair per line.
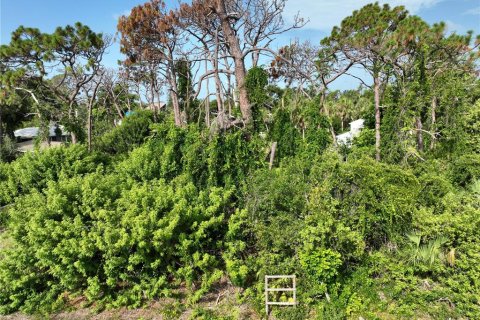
x,y
8,149
111,240
184,207
130,134
34,170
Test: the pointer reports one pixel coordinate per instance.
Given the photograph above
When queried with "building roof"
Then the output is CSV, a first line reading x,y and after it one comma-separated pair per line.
x,y
32,132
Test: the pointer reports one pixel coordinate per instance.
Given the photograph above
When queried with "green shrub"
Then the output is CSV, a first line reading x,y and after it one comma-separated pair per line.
x,y
111,240
321,267
34,170
8,149
130,134
465,169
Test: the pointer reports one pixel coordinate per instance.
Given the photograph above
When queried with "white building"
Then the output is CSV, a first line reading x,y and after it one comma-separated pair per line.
x,y
347,137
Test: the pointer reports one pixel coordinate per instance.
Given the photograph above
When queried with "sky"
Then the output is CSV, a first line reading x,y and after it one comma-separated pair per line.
x,y
102,16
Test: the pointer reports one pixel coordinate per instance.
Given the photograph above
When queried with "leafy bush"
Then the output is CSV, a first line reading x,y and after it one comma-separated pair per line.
x,y
321,267
111,240
130,134
465,169
8,149
34,170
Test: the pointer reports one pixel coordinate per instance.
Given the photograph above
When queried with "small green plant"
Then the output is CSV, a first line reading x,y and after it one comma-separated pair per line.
x,y
173,311
427,253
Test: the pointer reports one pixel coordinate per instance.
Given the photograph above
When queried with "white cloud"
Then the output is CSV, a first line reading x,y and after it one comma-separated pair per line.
x,y
473,11
324,14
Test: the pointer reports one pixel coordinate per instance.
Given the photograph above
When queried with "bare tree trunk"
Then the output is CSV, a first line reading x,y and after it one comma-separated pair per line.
x,y
119,111
419,127
272,154
220,108
434,120
176,109
240,75
1,128
137,85
89,127
91,101
218,86
207,100
376,89
229,89
174,96
236,52
73,135
151,99
255,57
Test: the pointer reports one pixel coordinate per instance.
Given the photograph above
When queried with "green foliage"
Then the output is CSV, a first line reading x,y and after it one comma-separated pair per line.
x,y
427,253
113,240
256,82
299,129
378,199
158,208
8,149
185,89
34,171
130,134
471,129
321,266
465,169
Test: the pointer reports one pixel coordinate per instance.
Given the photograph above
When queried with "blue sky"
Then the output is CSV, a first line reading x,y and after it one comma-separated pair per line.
x,y
102,15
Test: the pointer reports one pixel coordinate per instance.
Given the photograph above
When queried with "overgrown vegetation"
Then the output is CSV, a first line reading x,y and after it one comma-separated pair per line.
x,y
387,227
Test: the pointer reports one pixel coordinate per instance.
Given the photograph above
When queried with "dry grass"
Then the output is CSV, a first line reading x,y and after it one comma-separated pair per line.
x,y
222,300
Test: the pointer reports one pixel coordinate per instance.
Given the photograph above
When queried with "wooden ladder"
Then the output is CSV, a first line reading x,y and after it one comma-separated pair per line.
x,y
293,289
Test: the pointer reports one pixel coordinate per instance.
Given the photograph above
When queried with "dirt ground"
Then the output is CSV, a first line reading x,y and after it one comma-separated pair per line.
x,y
221,301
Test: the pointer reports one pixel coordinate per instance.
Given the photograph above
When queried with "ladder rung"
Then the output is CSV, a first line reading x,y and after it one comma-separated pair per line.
x,y
280,289
282,303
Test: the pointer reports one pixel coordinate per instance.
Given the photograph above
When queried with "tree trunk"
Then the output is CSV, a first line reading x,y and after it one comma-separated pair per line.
x,y
434,120
240,75
230,97
419,127
91,101
174,96
137,85
325,111
272,154
73,136
218,86
235,51
1,128
376,90
220,108
255,58
117,107
89,127
207,100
